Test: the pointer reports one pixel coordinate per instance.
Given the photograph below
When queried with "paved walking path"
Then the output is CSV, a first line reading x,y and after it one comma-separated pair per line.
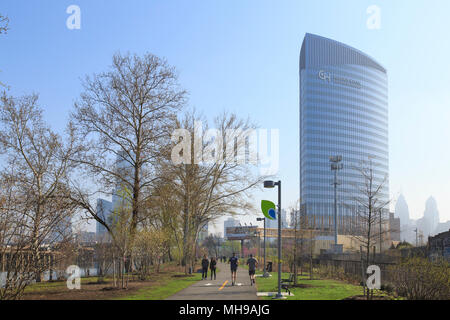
x,y
221,288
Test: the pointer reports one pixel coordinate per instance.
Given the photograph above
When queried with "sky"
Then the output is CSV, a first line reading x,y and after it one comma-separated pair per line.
x,y
242,56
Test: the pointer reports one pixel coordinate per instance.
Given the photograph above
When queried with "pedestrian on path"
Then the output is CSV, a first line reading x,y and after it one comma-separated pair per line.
x,y
234,262
205,265
212,266
252,264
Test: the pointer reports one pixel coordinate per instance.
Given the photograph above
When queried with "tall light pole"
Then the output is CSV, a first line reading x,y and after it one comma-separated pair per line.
x,y
336,165
265,273
272,184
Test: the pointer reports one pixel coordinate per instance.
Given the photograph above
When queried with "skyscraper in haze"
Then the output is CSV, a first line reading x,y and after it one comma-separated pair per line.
x,y
402,211
343,111
428,224
104,211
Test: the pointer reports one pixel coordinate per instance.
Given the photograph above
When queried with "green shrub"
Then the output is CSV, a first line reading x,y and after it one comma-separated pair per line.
x,y
420,279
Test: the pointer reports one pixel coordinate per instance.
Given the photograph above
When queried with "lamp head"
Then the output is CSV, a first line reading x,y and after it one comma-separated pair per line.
x,y
269,184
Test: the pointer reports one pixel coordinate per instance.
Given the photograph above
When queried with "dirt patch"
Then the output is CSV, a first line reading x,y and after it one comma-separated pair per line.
x,y
303,285
87,292
96,282
183,276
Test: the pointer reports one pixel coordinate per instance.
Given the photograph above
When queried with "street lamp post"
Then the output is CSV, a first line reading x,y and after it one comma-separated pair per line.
x,y
272,184
265,273
335,166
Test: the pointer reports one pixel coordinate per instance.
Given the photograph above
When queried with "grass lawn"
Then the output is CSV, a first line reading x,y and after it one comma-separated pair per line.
x,y
165,287
313,290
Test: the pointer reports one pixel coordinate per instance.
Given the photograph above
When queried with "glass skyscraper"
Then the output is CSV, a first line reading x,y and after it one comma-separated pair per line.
x,y
343,111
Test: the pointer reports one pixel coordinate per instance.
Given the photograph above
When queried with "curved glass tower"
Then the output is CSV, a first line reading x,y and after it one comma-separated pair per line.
x,y
343,111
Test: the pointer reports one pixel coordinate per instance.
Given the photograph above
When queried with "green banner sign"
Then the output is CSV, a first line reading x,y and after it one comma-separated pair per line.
x,y
269,210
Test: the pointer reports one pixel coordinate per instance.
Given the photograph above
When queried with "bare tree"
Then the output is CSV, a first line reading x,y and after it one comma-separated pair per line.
x,y
207,190
370,207
165,208
124,120
37,165
120,225
4,22
152,245
16,269
300,225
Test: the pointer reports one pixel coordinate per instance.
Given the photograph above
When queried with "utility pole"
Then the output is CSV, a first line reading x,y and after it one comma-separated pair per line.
x,y
336,165
279,241
272,184
259,245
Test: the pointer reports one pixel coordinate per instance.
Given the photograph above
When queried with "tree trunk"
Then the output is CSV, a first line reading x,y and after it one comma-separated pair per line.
x,y
114,271
186,235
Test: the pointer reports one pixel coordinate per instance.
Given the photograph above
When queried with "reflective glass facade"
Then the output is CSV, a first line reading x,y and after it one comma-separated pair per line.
x,y
343,111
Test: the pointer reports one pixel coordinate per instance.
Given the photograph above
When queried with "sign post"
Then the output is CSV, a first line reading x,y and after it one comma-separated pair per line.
x,y
270,206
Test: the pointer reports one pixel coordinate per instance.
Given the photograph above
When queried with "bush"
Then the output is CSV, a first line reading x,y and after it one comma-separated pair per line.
x,y
331,272
419,279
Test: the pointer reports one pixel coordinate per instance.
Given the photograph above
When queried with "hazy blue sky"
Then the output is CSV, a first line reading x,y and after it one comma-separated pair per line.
x,y
242,56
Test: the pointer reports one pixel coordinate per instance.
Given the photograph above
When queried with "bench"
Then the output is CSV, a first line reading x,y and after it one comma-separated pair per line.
x,y
287,283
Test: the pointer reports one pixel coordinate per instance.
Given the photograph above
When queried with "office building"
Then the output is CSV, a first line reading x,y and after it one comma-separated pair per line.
x,y
343,112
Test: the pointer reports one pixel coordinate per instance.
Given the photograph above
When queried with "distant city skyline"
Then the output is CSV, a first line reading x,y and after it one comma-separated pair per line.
x,y
243,57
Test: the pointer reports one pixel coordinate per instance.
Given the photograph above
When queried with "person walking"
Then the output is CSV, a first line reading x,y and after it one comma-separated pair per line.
x,y
205,265
252,265
234,262
212,266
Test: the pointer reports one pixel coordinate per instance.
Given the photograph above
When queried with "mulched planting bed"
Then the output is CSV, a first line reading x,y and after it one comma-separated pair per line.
x,y
361,297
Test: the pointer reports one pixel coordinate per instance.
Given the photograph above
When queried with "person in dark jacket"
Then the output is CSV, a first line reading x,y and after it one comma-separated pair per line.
x,y
212,266
205,265
234,262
